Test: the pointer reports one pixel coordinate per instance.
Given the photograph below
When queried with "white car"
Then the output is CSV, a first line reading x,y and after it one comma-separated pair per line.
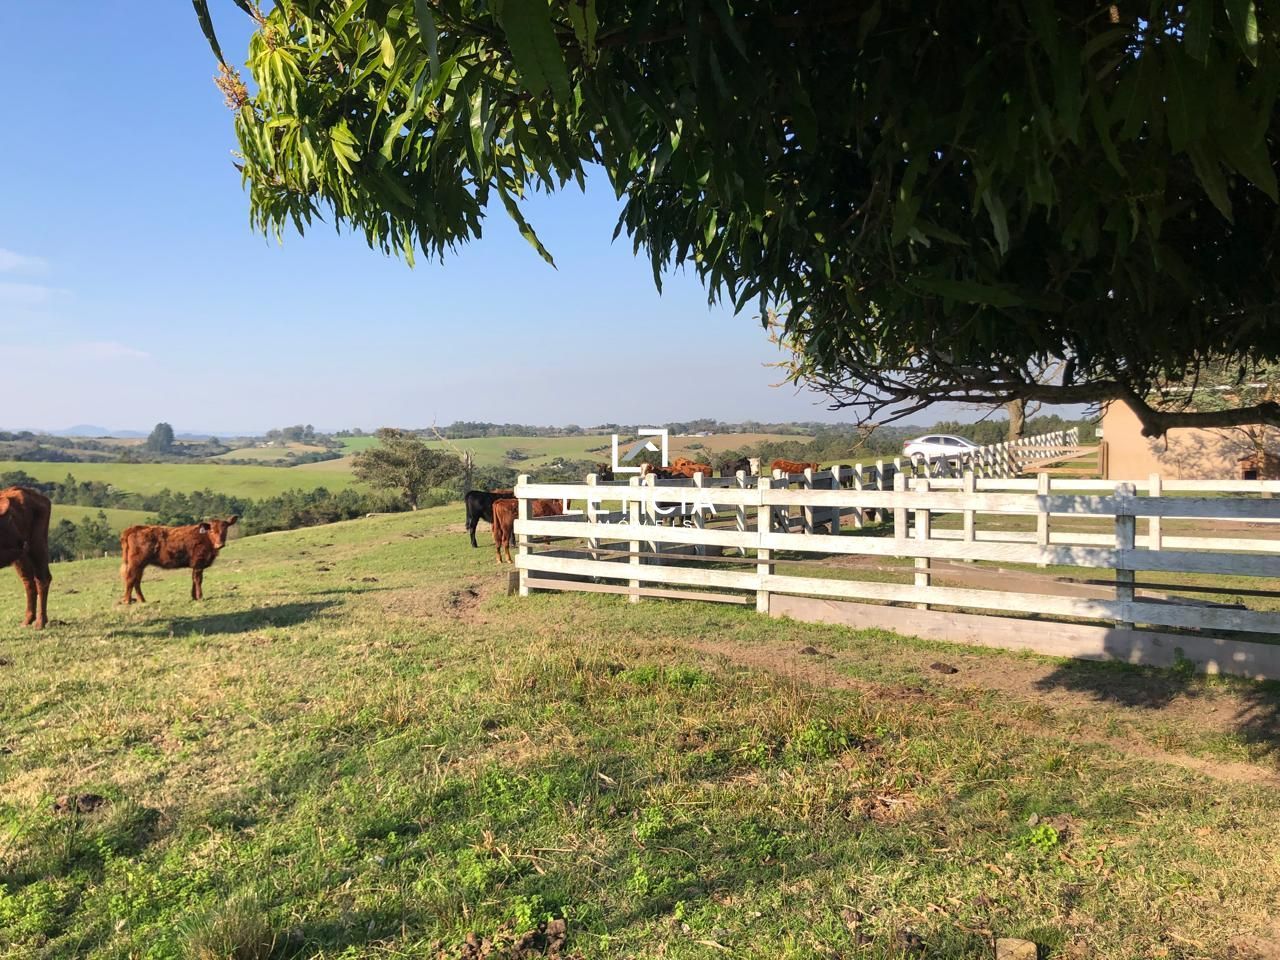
x,y
938,446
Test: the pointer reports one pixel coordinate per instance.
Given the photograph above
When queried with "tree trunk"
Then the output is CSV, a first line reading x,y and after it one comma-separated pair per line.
x,y
1017,418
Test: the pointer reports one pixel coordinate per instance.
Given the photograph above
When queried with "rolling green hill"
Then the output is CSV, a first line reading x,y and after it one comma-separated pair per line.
x,y
541,451
230,479
117,519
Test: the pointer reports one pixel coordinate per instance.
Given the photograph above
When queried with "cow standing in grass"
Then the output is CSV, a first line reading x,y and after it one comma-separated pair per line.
x,y
505,511
479,504
24,542
171,548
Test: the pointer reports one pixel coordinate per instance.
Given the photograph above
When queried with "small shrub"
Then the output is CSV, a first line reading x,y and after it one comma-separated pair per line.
x,y
818,740
1041,837
234,930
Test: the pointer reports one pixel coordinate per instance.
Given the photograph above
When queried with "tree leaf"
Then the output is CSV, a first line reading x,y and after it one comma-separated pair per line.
x,y
206,27
527,24
1209,170
388,50
1250,160
999,218
582,14
1199,29
969,291
428,35
1243,15
526,231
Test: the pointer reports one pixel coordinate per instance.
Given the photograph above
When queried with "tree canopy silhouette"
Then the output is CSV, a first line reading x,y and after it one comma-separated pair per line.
x,y
931,200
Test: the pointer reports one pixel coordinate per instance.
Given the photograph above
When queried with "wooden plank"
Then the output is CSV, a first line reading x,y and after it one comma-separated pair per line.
x,y
958,502
764,527
651,572
522,540
1257,661
634,517
1135,611
923,518
728,496
579,586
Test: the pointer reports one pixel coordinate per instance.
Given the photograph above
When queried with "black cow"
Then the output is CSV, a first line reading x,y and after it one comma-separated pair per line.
x,y
480,507
731,469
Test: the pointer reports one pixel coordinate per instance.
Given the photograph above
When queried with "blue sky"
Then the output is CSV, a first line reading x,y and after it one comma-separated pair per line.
x,y
132,289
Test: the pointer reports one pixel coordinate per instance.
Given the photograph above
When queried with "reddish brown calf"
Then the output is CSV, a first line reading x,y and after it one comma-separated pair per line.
x,y
24,542
171,548
793,466
504,520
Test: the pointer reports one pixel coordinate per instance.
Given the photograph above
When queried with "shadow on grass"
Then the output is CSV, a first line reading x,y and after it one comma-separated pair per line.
x,y
1257,720
240,621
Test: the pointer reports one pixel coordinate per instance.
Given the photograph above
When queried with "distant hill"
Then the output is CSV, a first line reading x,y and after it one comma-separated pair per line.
x,y
89,430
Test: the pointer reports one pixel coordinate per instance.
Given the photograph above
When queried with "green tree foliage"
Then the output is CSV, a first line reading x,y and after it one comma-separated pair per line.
x,y
161,439
403,462
935,200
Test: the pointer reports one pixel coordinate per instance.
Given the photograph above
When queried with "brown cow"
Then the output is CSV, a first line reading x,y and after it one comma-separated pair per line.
x,y
504,520
24,542
171,548
793,466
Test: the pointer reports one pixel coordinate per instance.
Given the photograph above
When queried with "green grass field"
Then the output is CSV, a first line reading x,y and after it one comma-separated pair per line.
x,y
540,451
360,746
230,479
116,519
268,454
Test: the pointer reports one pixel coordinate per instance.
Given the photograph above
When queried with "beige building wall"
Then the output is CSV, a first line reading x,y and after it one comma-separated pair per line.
x,y
1185,454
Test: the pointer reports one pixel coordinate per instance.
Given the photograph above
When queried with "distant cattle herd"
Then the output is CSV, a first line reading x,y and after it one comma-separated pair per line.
x,y
499,507
25,516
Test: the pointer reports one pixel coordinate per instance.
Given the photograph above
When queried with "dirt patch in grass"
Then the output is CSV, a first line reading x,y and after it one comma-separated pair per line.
x,y
1022,680
545,940
454,602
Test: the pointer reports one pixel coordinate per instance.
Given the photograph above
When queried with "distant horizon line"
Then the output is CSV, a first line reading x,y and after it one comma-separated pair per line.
x,y
95,432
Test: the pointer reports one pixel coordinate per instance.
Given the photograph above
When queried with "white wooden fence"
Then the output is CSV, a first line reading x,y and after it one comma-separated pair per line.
x,y
742,538
1007,459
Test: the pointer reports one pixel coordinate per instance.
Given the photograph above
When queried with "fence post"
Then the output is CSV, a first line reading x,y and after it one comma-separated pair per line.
x,y
857,485
882,513
651,513
922,534
699,522
593,544
1155,531
633,518
1125,541
970,516
1042,518
899,513
806,512
764,525
741,510
522,538
833,527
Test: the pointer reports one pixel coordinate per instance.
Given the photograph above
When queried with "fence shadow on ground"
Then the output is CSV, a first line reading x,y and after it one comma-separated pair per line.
x,y
1257,705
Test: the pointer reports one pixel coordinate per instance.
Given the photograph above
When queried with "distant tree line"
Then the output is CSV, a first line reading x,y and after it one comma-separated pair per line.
x,y
285,511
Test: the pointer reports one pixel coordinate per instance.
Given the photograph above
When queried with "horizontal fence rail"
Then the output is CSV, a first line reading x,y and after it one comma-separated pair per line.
x,y
965,544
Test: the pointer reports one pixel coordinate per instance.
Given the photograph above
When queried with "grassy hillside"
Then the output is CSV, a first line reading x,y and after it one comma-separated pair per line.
x,y
116,519
268,454
540,451
360,746
240,481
